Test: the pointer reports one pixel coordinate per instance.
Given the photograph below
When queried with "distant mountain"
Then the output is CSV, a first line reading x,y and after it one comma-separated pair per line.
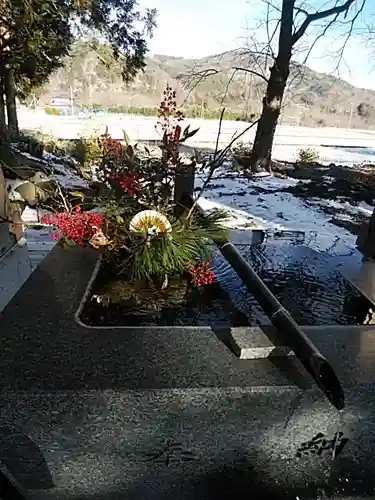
x,y
312,98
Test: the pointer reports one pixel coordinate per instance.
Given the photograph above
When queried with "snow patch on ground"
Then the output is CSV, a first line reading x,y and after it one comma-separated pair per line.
x,y
274,210
237,219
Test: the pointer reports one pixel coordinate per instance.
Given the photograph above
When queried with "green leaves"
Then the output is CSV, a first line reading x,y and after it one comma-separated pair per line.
x,y
77,195
189,240
187,133
41,33
126,138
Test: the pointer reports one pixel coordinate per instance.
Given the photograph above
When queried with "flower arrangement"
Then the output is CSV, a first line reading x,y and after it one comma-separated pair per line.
x,y
135,224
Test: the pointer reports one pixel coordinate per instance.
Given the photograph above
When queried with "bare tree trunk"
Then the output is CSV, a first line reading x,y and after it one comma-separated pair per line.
x,y
10,98
261,154
262,149
2,111
288,37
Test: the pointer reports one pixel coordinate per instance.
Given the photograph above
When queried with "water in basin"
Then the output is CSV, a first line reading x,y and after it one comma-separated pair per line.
x,y
304,282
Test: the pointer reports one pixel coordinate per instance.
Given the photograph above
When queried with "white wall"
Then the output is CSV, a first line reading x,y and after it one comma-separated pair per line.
x,y
14,270
14,260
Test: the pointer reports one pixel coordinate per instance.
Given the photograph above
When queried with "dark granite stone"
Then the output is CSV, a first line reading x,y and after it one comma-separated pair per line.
x,y
146,414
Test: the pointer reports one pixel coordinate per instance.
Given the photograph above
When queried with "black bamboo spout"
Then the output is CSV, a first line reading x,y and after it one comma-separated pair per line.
x,y
307,353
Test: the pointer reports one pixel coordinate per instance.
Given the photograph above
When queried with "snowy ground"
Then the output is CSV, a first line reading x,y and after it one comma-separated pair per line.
x,y
332,144
249,207
275,211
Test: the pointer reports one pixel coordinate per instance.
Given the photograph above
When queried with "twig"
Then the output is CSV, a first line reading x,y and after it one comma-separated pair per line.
x,y
213,166
62,197
235,138
256,73
216,162
219,132
6,220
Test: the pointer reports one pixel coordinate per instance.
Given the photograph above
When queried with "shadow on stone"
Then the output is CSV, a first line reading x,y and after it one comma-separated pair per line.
x,y
24,460
244,479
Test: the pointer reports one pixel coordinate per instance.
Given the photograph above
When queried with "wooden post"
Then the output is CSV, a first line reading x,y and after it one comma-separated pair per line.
x,y
366,239
11,225
184,183
2,112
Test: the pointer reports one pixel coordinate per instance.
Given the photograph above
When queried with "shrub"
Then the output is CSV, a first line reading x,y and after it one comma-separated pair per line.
x,y
52,144
308,155
243,148
191,112
364,110
52,111
88,151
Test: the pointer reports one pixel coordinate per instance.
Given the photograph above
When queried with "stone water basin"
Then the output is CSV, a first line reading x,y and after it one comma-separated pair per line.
x,y
304,281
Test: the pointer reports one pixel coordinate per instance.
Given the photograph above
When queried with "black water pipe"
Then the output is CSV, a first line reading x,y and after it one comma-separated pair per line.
x,y
307,353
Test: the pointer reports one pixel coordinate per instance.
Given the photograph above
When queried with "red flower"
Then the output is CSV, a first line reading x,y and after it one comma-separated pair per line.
x,y
77,226
201,273
129,182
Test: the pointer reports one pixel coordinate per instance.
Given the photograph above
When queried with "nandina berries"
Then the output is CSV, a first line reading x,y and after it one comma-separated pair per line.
x,y
201,273
129,182
76,226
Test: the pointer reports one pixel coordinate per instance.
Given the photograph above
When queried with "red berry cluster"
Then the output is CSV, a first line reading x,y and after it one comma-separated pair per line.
x,y
76,226
129,182
201,273
168,105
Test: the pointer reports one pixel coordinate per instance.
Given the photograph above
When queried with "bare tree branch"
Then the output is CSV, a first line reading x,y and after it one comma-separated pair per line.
x,y
338,9
218,158
193,78
248,70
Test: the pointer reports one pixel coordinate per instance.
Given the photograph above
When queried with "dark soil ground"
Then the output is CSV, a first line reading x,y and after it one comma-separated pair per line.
x,y
352,184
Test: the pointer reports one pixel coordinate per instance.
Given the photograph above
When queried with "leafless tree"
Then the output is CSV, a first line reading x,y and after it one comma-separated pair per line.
x,y
285,23
294,23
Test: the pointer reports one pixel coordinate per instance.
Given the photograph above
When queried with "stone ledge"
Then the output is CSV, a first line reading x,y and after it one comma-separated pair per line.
x,y
255,343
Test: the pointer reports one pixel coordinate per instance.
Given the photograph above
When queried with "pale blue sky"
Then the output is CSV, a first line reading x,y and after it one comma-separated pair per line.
x,y
197,28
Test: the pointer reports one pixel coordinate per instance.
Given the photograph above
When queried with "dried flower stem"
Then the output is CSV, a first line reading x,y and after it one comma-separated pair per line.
x,y
216,162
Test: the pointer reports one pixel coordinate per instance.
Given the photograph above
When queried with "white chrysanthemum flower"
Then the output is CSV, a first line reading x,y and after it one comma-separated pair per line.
x,y
151,222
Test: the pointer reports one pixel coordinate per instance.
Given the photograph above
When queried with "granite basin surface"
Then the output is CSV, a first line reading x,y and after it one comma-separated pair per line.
x,y
164,413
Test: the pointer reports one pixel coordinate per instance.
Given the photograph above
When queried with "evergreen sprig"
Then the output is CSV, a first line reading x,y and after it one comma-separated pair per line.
x,y
169,254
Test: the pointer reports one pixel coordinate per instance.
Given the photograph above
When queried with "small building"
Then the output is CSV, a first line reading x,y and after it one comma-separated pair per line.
x,y
64,105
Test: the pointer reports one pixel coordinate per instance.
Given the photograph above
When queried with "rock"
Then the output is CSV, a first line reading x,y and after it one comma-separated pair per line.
x,y
37,189
147,150
21,165
243,160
